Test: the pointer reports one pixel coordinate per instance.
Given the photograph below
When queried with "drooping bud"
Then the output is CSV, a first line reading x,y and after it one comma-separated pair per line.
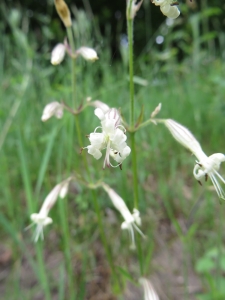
x,y
87,53
52,109
156,110
58,54
184,137
63,12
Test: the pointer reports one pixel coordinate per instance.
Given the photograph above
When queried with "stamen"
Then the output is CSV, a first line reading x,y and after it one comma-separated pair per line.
x,y
217,186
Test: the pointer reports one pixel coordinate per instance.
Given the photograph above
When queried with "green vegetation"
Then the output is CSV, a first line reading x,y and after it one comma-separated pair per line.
x,y
182,221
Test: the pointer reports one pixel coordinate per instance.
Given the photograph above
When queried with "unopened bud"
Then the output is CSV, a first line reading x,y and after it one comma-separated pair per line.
x,y
58,54
52,109
63,12
156,111
132,8
87,53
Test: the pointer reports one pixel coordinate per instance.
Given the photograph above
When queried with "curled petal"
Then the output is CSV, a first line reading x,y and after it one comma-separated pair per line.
x,y
99,104
96,140
94,151
99,113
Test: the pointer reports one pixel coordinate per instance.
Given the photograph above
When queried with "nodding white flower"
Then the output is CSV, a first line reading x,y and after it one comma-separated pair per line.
x,y
58,54
52,109
112,138
168,8
42,219
149,291
87,53
132,221
206,166
131,13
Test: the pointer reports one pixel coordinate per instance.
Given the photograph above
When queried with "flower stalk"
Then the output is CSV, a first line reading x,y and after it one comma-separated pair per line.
x,y
130,18
93,192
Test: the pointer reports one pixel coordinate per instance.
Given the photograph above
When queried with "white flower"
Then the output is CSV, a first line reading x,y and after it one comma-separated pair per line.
x,y
87,53
149,292
41,219
52,109
112,138
131,220
206,165
168,8
58,54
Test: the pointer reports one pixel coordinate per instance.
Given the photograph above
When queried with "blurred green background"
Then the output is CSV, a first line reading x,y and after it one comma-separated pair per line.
x,y
179,63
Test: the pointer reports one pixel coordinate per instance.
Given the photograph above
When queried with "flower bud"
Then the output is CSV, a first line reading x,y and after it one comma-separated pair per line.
x,y
63,12
52,109
58,54
87,53
156,110
131,11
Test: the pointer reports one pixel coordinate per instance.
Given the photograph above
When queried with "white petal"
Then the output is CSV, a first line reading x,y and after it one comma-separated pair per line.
x,y
149,292
96,140
99,104
94,151
109,126
99,113
173,13
165,8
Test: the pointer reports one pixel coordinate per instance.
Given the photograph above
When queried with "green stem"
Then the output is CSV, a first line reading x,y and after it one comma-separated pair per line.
x,y
66,242
42,270
133,148
134,170
94,197
73,77
131,69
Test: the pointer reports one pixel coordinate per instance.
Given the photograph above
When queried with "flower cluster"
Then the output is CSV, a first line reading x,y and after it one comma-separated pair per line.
x,y
132,221
168,8
112,138
206,165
